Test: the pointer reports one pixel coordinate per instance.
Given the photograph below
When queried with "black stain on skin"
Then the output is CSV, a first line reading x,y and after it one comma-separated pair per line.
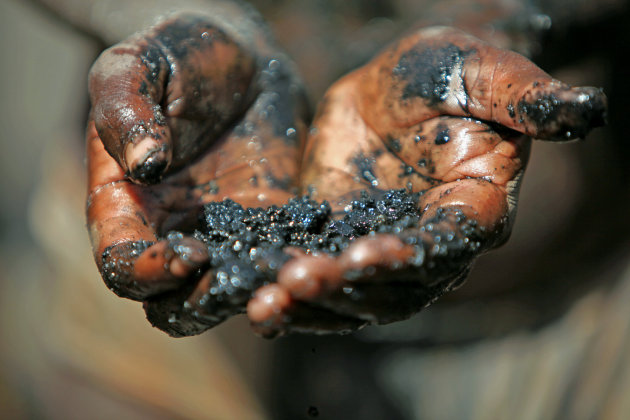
x,y
151,170
154,62
158,116
143,89
408,170
562,120
365,168
177,49
116,267
393,143
428,72
510,110
286,183
279,105
443,136
189,32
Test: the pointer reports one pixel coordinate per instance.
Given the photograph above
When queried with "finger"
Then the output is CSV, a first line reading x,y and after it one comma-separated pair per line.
x,y
370,256
219,294
169,313
475,213
222,291
140,269
377,279
371,280
126,85
307,277
131,260
139,89
380,302
273,312
442,70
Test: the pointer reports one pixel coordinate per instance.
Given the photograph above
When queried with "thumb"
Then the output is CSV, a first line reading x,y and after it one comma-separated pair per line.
x,y
444,71
126,85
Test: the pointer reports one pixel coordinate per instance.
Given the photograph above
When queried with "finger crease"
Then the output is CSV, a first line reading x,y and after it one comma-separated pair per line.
x,y
103,187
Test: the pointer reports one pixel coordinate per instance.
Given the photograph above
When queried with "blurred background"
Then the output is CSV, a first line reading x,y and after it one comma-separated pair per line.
x,y
540,330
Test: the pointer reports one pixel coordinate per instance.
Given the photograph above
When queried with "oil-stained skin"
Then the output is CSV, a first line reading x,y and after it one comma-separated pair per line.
x,y
427,73
178,100
553,114
235,122
409,167
117,267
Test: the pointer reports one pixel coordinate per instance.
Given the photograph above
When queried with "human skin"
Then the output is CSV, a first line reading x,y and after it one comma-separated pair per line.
x,y
178,120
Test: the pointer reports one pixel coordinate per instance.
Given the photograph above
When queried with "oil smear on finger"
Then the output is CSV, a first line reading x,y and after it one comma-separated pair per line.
x,y
567,114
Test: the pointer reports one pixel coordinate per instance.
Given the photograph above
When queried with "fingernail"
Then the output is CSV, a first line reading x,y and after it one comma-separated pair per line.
x,y
146,160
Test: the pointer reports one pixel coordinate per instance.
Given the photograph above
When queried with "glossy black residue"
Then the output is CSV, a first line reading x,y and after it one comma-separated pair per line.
x,y
150,171
427,72
443,136
154,62
393,144
365,168
116,266
188,32
282,101
562,120
510,110
286,183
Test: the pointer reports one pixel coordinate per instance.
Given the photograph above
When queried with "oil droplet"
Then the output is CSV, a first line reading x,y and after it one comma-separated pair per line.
x,y
443,137
312,411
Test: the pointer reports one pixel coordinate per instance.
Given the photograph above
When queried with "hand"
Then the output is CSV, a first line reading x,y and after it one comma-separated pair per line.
x,y
441,113
183,115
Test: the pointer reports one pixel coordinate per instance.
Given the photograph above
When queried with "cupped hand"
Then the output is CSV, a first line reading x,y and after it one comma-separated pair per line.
x,y
440,113
182,115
